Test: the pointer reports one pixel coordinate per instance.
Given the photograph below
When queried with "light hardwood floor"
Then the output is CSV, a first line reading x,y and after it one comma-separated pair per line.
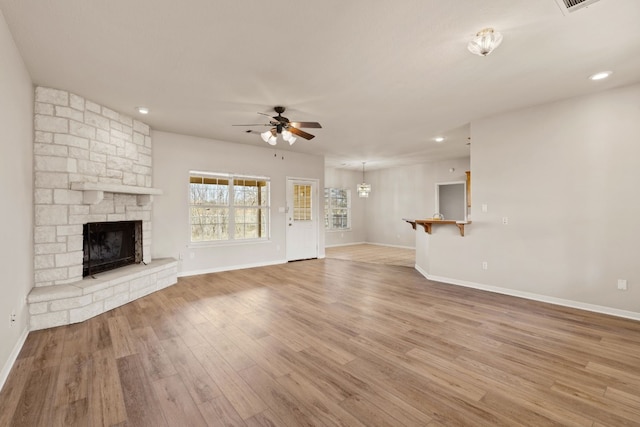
x,y
328,342
375,254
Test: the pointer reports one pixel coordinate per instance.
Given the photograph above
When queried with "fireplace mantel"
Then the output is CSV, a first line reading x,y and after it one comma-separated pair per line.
x,y
93,192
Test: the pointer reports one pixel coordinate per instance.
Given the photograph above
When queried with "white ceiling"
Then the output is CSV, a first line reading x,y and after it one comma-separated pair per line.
x,y
383,78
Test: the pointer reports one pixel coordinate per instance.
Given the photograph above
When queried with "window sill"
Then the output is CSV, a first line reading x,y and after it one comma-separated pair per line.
x,y
336,230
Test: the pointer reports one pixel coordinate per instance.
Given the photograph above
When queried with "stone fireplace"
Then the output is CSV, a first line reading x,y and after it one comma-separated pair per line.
x,y
92,165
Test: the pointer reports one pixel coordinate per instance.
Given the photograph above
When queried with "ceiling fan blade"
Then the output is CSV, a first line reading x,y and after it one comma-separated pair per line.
x,y
255,124
306,124
280,119
301,133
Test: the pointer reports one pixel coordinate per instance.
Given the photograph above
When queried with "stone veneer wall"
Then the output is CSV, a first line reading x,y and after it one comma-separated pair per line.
x,y
77,140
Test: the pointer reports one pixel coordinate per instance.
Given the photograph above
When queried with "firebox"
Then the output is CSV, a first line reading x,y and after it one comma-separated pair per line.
x,y
109,245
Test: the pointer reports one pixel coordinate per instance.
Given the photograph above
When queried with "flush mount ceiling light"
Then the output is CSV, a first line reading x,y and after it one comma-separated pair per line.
x,y
600,76
143,110
485,42
363,189
439,139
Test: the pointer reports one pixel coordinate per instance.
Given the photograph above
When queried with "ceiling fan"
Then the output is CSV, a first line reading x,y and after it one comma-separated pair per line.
x,y
281,125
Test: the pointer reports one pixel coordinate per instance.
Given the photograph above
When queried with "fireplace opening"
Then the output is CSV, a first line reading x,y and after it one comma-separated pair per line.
x,y
109,245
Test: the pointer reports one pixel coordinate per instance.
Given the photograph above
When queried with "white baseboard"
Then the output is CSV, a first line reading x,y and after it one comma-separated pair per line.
x,y
345,244
368,243
391,246
535,297
228,268
6,369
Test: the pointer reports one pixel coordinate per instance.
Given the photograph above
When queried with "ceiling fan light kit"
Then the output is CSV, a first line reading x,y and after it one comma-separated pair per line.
x,y
485,42
269,137
283,126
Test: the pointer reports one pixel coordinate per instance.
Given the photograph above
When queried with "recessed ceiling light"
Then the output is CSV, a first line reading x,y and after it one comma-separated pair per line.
x,y
438,138
601,75
143,110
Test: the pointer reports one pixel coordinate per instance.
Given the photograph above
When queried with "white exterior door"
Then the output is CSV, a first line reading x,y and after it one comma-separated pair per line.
x,y
302,219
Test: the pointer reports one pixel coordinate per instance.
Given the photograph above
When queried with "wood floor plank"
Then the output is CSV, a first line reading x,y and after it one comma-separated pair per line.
x,y
75,413
284,404
73,379
153,357
245,401
121,336
630,399
599,408
260,355
522,413
219,412
98,334
176,404
106,400
188,330
327,410
264,419
140,400
227,348
49,350
337,382
35,407
76,340
367,413
329,342
199,384
12,390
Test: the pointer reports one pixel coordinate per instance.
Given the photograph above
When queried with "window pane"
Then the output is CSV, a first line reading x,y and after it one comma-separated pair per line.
x,y
337,208
227,209
208,223
302,202
250,223
209,194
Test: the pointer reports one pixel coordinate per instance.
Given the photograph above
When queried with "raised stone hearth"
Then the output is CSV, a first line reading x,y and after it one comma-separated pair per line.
x,y
59,305
92,164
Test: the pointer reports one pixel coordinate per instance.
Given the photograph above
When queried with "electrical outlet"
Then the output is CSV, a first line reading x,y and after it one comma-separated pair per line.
x,y
505,220
13,318
622,284
485,208
485,265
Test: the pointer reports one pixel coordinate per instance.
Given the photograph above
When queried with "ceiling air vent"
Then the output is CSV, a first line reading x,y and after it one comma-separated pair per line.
x,y
568,6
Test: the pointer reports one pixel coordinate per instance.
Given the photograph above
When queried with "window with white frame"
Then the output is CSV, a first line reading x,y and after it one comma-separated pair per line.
x,y
337,208
225,207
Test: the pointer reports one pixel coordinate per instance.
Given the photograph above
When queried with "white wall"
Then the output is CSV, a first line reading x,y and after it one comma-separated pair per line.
x,y
566,175
341,178
175,155
16,192
405,192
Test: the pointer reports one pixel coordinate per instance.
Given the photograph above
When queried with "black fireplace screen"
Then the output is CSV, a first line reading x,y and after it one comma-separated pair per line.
x,y
109,245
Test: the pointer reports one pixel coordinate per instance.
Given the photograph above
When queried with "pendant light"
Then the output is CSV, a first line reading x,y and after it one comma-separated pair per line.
x,y
485,42
363,189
